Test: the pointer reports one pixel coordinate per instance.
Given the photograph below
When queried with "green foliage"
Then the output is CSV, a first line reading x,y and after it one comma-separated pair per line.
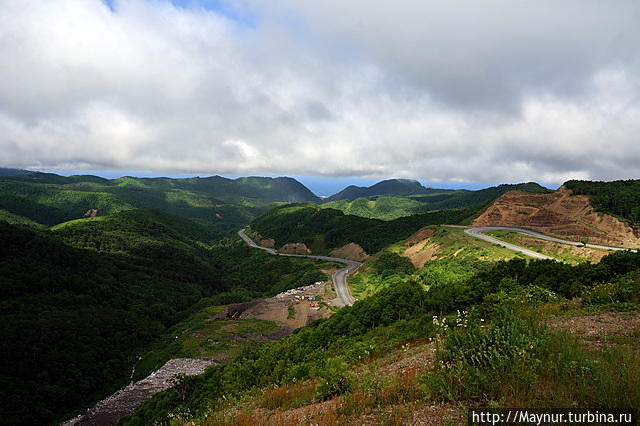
x,y
50,199
563,280
371,204
512,362
322,351
479,358
447,271
385,187
75,319
324,229
625,289
620,198
389,263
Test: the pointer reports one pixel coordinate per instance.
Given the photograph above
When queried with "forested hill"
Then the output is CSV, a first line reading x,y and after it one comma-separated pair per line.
x,y
12,172
385,187
388,207
49,199
496,349
620,198
324,229
74,320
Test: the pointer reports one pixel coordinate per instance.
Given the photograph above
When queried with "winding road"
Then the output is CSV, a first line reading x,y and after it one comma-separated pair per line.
x,y
339,278
480,233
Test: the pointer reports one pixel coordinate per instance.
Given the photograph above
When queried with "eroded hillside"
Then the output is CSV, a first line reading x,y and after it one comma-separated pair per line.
x,y
559,213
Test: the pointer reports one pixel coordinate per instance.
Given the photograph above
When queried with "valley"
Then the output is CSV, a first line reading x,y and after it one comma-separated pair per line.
x,y
331,317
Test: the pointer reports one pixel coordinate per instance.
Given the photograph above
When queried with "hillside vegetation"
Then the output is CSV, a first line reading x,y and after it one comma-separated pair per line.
x,y
494,350
324,229
50,199
385,187
620,198
74,319
389,207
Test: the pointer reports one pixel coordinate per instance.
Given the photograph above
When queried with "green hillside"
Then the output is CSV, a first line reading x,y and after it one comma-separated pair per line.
x,y
49,199
4,171
620,198
492,345
392,207
74,319
323,229
385,187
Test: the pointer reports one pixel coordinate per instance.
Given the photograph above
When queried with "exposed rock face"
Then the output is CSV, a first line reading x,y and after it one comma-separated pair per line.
x,y
122,403
294,248
561,214
351,251
91,213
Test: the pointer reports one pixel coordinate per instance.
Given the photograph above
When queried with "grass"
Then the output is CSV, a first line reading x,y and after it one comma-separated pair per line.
x,y
562,252
291,312
453,244
18,220
200,336
518,362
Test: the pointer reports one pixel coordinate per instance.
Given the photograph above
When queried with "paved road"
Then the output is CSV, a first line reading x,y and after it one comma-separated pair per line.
x,y
339,278
479,233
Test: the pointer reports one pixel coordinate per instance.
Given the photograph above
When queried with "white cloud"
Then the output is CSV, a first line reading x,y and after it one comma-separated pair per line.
x,y
486,92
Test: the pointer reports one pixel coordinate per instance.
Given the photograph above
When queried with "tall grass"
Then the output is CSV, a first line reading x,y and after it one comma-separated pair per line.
x,y
518,363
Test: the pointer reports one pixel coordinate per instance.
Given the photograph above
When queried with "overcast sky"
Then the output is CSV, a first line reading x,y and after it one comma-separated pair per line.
x,y
470,91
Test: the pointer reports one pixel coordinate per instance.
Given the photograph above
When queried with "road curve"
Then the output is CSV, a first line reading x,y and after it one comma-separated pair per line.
x,y
479,233
339,278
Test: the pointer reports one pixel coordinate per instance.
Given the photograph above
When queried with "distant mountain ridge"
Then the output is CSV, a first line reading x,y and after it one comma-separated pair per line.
x,y
4,171
385,187
49,199
390,207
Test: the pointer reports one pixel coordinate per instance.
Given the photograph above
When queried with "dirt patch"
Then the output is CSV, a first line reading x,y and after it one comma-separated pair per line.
x,y
422,252
559,213
277,308
420,235
598,327
582,252
294,248
436,415
351,251
268,243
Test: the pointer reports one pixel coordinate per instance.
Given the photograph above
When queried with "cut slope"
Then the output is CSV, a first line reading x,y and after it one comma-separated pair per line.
x,y
559,213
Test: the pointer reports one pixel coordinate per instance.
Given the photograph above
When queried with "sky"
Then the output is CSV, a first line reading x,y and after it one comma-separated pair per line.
x,y
444,92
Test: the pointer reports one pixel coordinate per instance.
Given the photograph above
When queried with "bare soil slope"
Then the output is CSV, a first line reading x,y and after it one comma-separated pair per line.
x,y
294,248
351,251
561,214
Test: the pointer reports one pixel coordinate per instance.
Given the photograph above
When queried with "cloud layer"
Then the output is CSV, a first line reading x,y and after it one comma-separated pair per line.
x,y
484,92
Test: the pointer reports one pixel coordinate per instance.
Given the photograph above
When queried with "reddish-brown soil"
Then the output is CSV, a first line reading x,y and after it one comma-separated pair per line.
x,y
420,235
599,325
561,214
422,252
294,248
351,251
